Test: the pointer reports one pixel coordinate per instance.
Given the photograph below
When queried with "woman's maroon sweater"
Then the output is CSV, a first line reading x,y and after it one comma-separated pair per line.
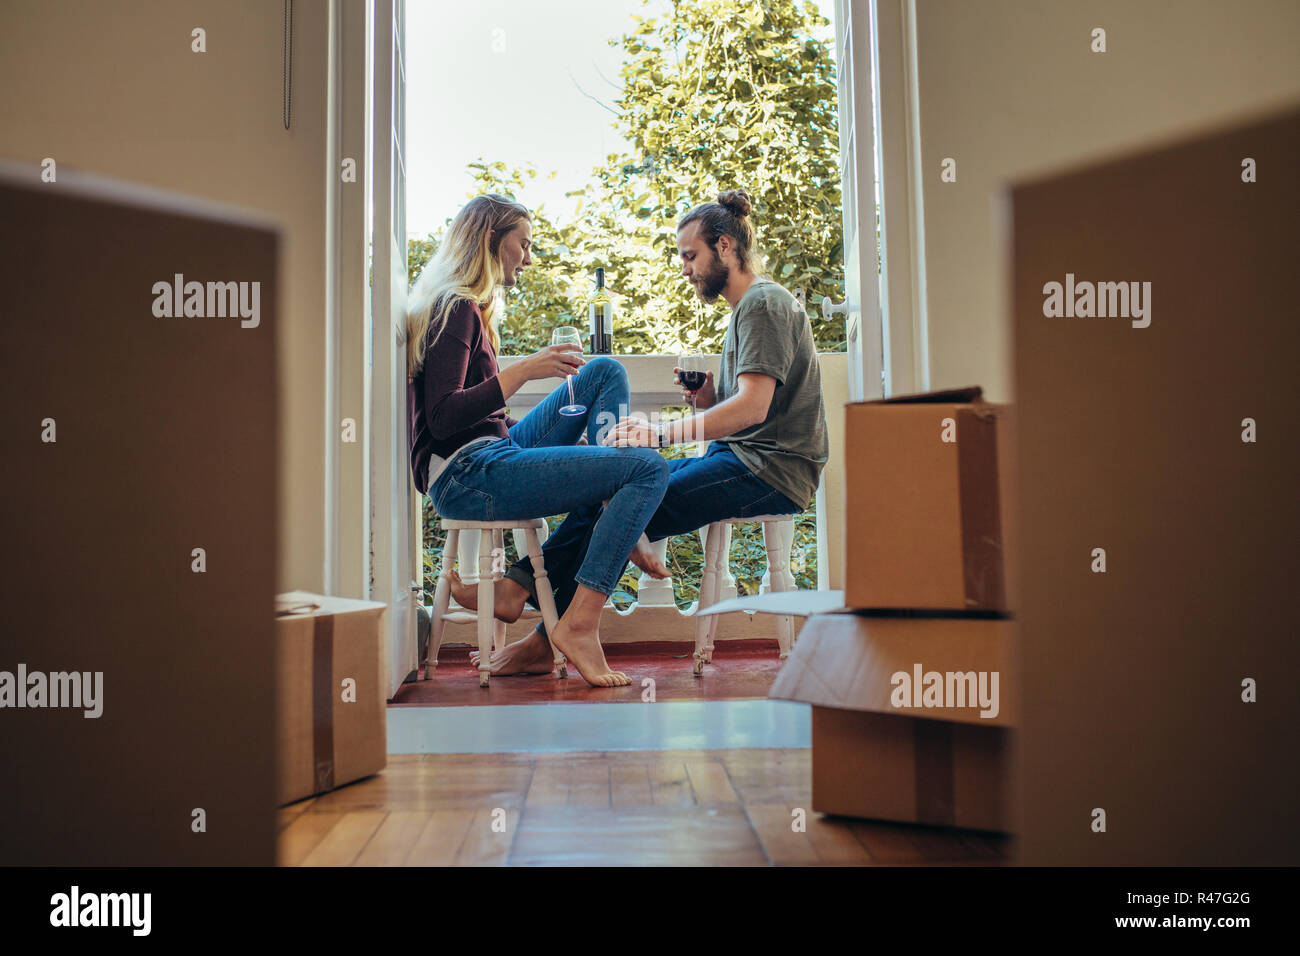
x,y
455,397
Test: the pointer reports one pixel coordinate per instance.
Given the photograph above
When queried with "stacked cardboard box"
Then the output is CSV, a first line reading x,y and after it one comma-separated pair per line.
x,y
331,725
911,683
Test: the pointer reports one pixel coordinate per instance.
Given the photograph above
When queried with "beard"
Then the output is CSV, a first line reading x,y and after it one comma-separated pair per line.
x,y
709,285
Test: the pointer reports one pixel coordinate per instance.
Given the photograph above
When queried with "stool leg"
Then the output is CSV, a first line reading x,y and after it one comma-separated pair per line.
x,y
723,582
787,532
708,596
727,582
544,596
441,600
778,560
498,541
486,619
468,557
787,545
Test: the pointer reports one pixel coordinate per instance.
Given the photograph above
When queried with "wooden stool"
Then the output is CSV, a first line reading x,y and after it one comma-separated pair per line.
x,y
778,568
491,538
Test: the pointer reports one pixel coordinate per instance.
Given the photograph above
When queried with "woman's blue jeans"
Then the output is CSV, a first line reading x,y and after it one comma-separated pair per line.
x,y
539,471
700,491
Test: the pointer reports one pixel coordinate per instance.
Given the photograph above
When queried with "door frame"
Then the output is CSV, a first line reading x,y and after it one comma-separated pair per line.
x,y
904,305
347,569
353,547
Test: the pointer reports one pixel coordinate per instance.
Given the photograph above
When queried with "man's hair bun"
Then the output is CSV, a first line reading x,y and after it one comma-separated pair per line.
x,y
737,200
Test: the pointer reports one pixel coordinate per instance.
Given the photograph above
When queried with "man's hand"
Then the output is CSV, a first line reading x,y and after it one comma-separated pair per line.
x,y
632,433
706,397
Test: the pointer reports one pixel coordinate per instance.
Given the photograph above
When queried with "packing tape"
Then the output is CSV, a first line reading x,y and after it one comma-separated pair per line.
x,y
932,744
322,701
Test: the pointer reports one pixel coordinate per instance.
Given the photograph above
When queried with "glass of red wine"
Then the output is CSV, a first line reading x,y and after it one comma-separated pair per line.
x,y
692,375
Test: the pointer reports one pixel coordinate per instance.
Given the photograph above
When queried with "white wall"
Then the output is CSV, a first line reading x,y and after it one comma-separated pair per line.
x,y
1009,88
114,88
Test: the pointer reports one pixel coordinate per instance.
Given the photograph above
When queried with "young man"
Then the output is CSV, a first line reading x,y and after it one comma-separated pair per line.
x,y
765,417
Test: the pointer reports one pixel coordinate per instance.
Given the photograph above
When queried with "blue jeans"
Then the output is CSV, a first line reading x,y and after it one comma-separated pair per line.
x,y
538,471
700,491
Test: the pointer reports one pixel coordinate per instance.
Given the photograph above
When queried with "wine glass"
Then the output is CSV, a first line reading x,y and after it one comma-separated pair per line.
x,y
692,374
568,335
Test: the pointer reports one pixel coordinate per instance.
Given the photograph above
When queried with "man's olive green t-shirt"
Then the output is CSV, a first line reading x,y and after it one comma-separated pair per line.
x,y
770,334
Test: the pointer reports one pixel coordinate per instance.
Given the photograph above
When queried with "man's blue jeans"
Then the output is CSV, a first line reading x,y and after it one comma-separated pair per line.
x,y
539,471
700,491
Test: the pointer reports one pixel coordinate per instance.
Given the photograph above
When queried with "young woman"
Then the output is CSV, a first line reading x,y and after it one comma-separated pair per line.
x,y
476,463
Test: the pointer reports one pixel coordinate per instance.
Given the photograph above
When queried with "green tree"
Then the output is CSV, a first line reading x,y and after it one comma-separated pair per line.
x,y
717,95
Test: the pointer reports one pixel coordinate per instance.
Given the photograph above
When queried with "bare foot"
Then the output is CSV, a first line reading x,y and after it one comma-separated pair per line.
x,y
532,655
582,648
507,599
645,558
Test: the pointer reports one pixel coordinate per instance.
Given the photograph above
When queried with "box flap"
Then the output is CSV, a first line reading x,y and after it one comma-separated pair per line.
x,y
849,661
801,603
951,396
306,604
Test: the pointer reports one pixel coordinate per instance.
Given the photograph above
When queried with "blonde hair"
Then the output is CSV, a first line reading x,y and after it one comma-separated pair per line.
x,y
466,267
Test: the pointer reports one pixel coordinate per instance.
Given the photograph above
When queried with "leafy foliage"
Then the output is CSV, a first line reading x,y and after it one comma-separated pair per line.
x,y
715,96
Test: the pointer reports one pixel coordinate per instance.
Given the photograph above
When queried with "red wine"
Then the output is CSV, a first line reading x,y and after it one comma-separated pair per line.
x,y
692,381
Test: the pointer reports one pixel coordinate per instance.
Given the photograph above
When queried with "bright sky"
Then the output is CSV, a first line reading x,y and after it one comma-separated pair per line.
x,y
505,79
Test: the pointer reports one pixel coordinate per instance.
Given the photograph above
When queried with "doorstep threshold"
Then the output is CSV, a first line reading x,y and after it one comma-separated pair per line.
x,y
574,728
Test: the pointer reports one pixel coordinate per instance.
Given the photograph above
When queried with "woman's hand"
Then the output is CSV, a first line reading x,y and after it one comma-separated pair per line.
x,y
551,362
706,397
554,361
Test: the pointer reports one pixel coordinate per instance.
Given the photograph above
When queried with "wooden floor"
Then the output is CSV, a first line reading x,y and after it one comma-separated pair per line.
x,y
643,808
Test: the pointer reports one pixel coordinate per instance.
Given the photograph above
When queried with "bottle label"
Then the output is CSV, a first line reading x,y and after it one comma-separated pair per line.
x,y
601,329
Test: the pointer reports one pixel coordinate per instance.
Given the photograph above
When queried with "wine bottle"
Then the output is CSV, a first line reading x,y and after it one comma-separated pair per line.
x,y
601,314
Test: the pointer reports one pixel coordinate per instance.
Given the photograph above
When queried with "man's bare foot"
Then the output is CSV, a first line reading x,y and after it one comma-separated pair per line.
x,y
644,557
532,655
507,599
582,648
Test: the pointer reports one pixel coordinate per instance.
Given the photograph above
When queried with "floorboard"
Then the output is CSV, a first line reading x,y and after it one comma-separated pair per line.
x,y
617,808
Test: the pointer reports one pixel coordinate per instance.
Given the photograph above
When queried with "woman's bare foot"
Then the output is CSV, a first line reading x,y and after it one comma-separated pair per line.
x,y
644,557
507,599
582,647
532,655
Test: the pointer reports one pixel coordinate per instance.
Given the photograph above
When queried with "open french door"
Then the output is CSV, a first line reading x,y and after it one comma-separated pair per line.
x,y
395,510
854,43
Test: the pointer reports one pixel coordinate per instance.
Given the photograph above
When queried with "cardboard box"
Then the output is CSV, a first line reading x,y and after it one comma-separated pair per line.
x,y
930,760
328,732
1133,440
923,503
148,410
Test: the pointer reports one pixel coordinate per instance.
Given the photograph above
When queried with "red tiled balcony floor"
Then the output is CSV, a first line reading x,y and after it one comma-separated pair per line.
x,y
741,670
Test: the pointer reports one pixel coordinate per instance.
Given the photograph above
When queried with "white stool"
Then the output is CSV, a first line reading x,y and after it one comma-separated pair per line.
x,y
491,537
778,536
